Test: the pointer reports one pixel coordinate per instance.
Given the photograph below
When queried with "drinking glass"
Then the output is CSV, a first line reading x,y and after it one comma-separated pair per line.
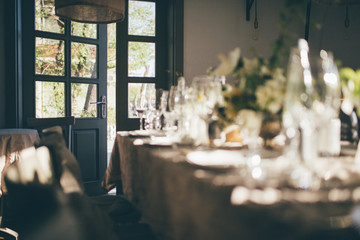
x,y
326,105
298,117
151,110
169,113
172,98
141,105
312,101
205,95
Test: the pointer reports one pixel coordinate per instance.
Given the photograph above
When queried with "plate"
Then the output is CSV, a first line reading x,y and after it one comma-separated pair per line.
x,y
145,133
216,158
230,145
158,141
153,141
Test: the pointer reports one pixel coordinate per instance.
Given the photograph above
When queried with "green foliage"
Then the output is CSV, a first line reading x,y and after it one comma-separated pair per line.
x,y
350,83
291,17
50,101
83,60
140,55
141,22
84,56
141,18
45,20
50,57
349,76
81,94
83,29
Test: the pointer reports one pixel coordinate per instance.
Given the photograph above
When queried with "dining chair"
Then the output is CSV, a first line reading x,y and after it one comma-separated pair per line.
x,y
40,209
125,217
8,234
66,123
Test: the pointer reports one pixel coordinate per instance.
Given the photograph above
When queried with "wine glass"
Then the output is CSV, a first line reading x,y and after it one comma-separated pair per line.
x,y
298,115
172,98
141,105
327,103
151,109
206,92
170,124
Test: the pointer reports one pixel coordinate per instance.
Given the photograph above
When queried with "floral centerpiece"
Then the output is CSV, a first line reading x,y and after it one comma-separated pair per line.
x,y
258,88
350,82
350,85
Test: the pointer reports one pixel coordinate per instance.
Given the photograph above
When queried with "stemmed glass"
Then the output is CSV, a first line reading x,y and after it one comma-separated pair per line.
x,y
327,104
206,92
171,107
169,112
313,99
141,106
151,110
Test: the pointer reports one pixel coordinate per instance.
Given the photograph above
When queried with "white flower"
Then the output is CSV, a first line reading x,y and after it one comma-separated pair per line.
x,y
264,70
249,120
275,106
250,65
270,96
262,96
278,74
229,63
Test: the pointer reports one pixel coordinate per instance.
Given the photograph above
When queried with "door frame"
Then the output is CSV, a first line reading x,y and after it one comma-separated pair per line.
x,y
94,127
169,60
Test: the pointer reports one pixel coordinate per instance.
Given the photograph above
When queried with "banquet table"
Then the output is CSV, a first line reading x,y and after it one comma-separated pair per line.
x,y
182,200
12,142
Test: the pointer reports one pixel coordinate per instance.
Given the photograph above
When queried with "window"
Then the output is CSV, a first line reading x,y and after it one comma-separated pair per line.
x,y
66,65
142,51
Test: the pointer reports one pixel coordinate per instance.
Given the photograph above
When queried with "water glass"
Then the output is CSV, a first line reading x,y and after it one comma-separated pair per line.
x,y
141,106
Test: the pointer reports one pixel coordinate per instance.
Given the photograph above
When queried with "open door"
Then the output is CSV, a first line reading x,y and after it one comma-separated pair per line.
x,y
65,74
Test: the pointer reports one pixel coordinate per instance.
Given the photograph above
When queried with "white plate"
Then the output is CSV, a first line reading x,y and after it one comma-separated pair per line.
x,y
153,141
221,144
216,158
145,133
158,141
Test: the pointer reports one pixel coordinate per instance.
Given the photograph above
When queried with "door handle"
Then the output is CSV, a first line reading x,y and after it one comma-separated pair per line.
x,y
102,102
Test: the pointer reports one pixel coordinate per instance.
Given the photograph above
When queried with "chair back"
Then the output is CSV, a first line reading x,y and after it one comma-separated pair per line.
x,y
66,123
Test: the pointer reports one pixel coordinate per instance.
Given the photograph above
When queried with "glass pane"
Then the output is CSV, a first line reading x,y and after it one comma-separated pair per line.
x,y
50,99
135,88
84,30
81,97
141,18
45,18
49,57
83,60
141,59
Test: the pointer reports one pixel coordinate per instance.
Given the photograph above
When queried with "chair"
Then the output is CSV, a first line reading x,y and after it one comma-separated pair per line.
x,y
41,210
66,123
125,218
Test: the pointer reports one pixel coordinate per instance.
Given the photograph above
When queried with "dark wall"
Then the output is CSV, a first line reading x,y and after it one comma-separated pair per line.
x,y
2,67
10,68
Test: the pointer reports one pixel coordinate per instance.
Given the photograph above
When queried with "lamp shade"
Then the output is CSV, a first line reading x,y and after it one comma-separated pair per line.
x,y
91,11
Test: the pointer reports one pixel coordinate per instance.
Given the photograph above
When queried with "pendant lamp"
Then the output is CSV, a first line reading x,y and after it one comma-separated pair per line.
x,y
91,11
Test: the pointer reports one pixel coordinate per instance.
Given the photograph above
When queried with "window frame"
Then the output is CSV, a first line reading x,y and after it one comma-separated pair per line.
x,y
29,52
168,41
